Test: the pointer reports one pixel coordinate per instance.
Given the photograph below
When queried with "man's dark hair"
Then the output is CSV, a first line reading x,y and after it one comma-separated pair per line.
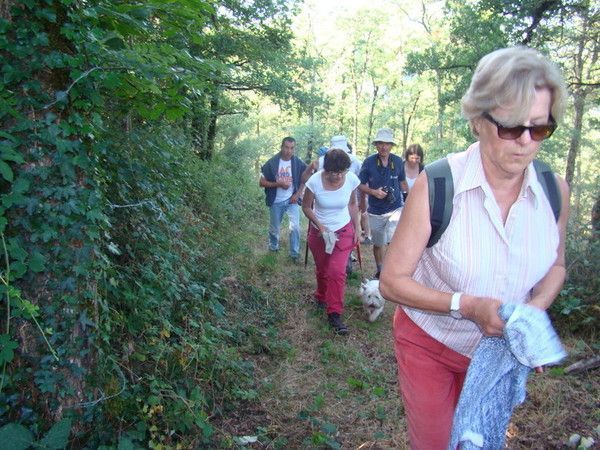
x,y
287,139
336,160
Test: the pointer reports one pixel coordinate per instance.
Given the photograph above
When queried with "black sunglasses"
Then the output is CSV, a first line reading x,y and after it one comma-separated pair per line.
x,y
537,132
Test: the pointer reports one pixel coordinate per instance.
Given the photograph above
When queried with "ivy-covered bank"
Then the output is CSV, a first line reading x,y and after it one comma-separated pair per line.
x,y
114,328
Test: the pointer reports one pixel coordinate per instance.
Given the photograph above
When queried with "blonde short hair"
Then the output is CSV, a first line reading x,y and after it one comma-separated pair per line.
x,y
508,78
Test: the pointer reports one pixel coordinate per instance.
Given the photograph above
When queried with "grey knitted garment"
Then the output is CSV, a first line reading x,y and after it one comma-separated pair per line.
x,y
496,378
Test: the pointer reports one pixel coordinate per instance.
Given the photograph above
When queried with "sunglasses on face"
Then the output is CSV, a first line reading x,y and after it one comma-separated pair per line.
x,y
537,132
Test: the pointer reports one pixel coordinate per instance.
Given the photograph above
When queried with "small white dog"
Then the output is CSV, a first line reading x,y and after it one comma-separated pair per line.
x,y
371,299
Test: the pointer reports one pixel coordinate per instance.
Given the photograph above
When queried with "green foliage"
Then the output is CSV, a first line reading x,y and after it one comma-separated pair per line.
x,y
169,322
17,437
577,308
52,215
114,252
324,432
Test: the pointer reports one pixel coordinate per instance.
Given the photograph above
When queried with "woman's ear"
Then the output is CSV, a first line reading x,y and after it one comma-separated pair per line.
x,y
474,124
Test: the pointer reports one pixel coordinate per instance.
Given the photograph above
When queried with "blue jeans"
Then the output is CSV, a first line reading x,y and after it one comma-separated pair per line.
x,y
277,211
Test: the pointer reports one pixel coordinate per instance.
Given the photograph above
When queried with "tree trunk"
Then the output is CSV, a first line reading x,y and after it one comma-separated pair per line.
x,y
371,117
199,131
5,9
580,93
440,127
212,128
311,121
575,137
576,192
59,289
406,120
342,109
596,218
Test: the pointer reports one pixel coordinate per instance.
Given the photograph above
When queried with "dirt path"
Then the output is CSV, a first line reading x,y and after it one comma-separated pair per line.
x,y
331,391
328,391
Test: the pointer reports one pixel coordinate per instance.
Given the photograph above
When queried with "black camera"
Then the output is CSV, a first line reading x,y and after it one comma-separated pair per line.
x,y
390,197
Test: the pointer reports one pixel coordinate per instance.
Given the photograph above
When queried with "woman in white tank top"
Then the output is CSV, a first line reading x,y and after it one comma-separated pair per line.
x,y
330,205
413,165
503,244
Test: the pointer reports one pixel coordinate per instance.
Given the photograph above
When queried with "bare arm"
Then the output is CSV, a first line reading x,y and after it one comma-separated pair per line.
x,y
379,193
299,193
309,198
362,206
404,186
354,215
397,284
310,169
546,290
264,183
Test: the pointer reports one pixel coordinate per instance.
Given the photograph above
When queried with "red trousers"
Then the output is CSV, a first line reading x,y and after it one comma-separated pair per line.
x,y
431,377
331,269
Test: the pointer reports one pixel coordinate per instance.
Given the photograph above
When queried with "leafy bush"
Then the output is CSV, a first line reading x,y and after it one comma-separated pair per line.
x,y
577,308
171,352
116,317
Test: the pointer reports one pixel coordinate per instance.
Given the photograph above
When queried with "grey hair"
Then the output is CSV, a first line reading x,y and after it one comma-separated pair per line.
x,y
508,78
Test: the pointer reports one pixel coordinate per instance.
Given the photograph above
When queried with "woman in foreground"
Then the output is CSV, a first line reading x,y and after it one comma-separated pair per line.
x,y
502,245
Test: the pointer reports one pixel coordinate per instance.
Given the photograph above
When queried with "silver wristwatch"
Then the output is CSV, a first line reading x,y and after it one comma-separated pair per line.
x,y
455,306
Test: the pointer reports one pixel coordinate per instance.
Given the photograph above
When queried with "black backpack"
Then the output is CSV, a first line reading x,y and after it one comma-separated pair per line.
x,y
441,194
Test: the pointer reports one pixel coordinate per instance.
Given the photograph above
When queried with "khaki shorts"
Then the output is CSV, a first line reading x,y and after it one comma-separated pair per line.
x,y
383,226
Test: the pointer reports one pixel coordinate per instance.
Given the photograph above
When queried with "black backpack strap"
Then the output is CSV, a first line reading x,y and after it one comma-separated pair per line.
x,y
441,195
548,181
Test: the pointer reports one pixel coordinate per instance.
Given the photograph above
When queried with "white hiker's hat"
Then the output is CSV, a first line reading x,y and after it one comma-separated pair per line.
x,y
340,142
384,135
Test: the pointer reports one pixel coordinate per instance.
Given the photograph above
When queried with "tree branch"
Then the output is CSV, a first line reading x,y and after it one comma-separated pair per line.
x,y
66,93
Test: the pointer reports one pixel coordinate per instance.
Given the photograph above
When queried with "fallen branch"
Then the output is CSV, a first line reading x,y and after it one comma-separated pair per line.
x,y
586,364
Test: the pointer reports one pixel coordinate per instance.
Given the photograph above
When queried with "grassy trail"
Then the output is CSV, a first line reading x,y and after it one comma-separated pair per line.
x,y
333,391
319,390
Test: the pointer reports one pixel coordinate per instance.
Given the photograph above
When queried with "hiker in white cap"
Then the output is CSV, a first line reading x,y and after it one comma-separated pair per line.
x,y
383,180
340,142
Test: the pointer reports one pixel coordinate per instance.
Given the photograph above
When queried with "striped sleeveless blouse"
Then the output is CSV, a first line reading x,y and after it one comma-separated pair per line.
x,y
481,256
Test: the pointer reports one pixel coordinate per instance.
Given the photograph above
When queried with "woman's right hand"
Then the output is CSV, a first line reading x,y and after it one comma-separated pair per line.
x,y
484,312
322,229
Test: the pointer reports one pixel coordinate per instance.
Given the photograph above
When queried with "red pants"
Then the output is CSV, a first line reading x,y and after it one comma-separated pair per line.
x,y
431,377
331,269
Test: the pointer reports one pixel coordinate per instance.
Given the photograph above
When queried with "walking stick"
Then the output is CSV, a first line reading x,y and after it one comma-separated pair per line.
x,y
307,231
306,250
358,255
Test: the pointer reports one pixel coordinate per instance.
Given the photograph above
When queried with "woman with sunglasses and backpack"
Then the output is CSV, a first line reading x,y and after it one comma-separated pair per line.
x,y
503,244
